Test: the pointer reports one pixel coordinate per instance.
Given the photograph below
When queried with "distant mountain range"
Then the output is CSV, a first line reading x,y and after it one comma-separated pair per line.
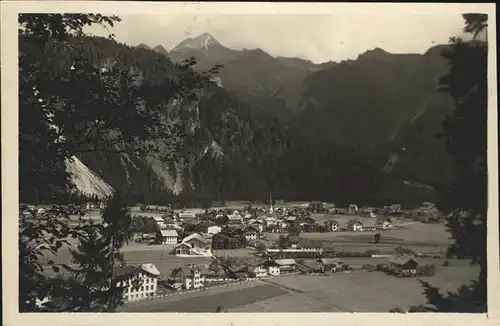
x,y
356,131
373,104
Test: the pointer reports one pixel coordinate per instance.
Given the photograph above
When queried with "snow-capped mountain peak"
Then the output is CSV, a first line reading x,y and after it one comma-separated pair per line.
x,y
201,42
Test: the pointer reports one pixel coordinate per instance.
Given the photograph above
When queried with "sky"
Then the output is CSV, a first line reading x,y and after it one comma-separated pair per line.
x,y
316,37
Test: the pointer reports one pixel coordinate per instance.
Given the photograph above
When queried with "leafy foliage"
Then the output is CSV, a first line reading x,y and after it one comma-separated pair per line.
x,y
465,134
71,106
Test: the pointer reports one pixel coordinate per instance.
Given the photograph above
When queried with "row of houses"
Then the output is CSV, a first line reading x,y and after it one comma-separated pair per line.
x,y
141,281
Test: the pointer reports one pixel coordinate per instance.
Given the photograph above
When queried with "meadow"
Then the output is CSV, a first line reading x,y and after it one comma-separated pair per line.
x,y
207,301
358,291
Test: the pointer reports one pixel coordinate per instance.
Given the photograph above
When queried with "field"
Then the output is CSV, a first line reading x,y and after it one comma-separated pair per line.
x,y
357,291
207,301
346,292
160,256
419,237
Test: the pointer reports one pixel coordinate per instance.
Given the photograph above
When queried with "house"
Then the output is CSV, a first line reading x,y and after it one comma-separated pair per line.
x,y
159,221
286,265
167,236
191,221
239,272
272,267
327,265
384,223
235,218
194,245
271,220
214,229
186,214
257,269
169,221
352,209
369,212
251,232
257,223
140,281
396,207
182,249
355,225
197,241
403,265
229,238
334,226
315,206
190,276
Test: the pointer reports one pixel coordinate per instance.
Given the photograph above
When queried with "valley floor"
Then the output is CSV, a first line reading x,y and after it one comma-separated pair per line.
x,y
346,292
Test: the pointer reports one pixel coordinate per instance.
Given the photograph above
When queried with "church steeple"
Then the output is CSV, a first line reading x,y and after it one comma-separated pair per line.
x,y
271,210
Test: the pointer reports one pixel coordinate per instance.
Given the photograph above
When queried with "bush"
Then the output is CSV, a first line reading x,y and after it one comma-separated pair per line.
x,y
369,267
427,270
446,263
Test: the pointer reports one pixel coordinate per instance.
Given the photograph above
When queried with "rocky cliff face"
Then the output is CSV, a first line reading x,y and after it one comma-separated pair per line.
x,y
86,181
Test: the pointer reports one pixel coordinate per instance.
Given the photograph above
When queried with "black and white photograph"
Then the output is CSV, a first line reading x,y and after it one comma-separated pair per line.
x,y
205,162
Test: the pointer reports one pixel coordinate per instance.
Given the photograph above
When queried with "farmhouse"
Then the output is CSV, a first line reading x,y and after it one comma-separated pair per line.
x,y
190,276
159,221
327,265
355,225
384,223
194,245
195,240
182,249
404,265
286,265
352,209
229,238
257,223
334,226
167,236
140,281
369,212
315,206
251,232
186,214
272,267
257,269
240,272
271,220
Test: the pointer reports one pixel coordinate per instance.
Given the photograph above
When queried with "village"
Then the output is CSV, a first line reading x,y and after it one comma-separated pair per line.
x,y
203,249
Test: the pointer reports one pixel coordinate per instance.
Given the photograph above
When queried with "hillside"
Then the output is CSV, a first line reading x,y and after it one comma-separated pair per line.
x,y
367,104
86,181
253,75
230,149
372,101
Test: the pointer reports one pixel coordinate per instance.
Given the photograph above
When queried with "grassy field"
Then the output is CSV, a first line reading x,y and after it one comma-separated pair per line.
x,y
357,291
407,232
160,256
350,292
207,301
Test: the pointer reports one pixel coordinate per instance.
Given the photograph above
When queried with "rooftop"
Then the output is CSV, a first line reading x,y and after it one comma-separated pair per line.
x,y
287,261
168,233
